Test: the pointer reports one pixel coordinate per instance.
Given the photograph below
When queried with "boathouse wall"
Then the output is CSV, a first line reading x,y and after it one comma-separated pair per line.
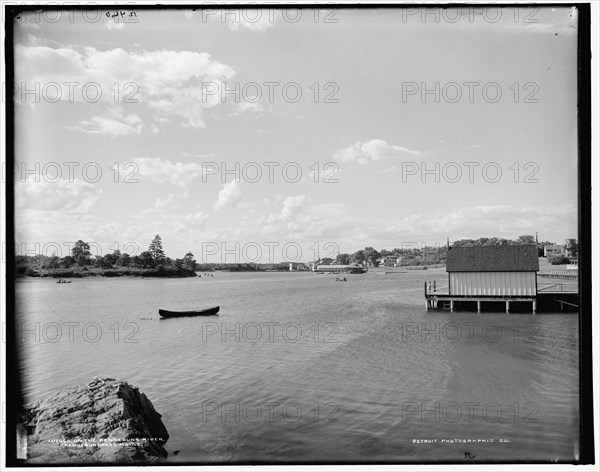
x,y
506,284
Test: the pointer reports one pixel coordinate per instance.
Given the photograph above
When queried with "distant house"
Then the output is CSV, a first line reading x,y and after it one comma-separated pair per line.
x,y
552,250
503,271
388,261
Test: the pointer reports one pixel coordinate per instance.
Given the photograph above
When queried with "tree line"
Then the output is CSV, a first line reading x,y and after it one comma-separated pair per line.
x,y
154,257
428,255
81,257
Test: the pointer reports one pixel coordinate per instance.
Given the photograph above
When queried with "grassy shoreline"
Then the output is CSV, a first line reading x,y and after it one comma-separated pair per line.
x,y
81,272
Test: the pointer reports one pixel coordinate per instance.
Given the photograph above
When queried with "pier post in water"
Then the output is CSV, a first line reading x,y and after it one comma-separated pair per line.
x,y
507,306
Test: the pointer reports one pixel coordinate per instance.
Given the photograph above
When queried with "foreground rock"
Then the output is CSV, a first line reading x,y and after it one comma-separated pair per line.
x,y
105,421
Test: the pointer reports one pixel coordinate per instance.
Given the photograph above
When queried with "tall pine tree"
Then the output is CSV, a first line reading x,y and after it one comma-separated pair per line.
x,y
156,249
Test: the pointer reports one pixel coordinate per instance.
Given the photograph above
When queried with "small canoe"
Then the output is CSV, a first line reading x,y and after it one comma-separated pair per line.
x,y
175,314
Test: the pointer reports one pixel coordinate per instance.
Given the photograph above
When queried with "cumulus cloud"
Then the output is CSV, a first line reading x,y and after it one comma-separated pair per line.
x,y
229,196
63,195
172,225
248,107
163,202
288,219
274,200
374,150
169,83
190,223
165,171
291,206
196,218
506,221
113,123
160,205
294,218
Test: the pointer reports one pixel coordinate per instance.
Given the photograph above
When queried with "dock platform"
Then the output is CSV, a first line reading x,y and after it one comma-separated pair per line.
x,y
550,298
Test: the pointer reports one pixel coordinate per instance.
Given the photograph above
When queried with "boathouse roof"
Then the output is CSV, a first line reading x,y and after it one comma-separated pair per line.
x,y
522,258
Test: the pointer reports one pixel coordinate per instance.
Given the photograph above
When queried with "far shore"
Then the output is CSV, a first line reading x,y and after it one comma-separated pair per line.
x,y
179,271
81,272
401,269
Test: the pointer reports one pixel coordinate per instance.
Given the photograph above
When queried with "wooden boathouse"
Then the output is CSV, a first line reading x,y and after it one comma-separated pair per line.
x,y
485,274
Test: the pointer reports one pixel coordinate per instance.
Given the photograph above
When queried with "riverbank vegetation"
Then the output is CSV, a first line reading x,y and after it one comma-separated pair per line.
x,y
80,263
154,263
414,254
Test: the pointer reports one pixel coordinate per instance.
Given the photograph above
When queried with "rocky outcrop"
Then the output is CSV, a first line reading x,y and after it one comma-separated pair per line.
x,y
104,421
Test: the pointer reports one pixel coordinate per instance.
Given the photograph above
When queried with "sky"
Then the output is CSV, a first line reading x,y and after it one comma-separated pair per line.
x,y
271,135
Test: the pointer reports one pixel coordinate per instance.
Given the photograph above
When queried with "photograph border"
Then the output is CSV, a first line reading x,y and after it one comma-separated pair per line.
x,y
584,173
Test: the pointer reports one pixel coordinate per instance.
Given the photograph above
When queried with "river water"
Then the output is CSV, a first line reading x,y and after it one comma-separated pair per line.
x,y
301,368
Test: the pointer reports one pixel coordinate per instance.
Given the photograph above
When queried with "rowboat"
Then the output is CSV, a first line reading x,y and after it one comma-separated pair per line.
x,y
175,314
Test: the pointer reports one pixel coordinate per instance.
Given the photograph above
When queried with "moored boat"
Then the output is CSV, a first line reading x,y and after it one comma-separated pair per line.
x,y
176,314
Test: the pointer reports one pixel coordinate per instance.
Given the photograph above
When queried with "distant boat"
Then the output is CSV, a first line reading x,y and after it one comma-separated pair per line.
x,y
60,281
176,314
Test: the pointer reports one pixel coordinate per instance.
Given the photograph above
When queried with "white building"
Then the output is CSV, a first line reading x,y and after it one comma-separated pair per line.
x,y
389,261
552,250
